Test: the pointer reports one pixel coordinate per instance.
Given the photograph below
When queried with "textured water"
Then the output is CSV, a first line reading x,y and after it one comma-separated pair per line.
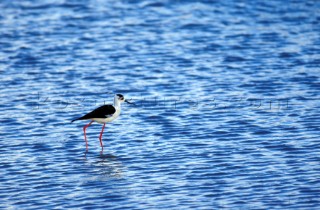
x,y
227,112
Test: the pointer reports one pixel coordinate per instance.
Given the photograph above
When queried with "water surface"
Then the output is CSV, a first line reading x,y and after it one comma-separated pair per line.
x,y
227,111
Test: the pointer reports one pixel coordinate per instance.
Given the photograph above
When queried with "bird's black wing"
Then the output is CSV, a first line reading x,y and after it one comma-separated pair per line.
x,y
101,112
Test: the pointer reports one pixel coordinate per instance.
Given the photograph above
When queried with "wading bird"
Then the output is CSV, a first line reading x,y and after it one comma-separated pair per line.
x,y
103,115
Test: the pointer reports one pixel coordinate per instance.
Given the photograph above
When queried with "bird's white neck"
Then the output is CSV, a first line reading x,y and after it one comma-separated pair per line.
x,y
116,103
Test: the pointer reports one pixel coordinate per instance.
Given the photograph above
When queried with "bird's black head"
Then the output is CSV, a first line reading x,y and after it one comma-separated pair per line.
x,y
121,98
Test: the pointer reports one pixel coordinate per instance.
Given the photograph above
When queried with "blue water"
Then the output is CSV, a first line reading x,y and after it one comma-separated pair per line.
x,y
227,113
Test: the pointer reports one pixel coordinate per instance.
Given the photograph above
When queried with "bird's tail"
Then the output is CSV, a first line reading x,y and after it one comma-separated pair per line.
x,y
75,120
80,118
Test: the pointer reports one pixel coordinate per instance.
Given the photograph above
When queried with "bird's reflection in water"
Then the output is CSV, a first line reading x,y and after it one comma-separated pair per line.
x,y
107,165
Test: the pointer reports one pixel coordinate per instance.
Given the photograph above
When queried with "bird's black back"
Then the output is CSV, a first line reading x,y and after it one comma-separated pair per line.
x,y
100,112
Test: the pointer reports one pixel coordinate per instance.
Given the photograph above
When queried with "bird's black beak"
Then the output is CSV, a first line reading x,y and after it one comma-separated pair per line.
x,y
129,102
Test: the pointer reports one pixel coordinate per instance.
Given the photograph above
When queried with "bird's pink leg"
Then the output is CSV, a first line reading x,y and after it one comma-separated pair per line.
x,y
100,137
85,136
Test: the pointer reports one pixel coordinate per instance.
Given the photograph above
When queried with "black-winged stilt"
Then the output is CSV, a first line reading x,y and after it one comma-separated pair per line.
x,y
103,115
